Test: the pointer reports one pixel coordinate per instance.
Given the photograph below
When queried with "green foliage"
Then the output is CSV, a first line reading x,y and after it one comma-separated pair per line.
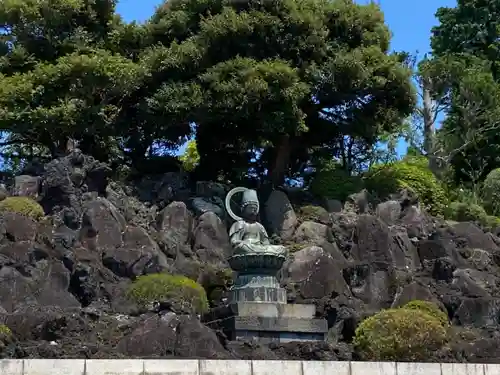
x,y
465,76
5,334
412,174
429,308
491,192
334,182
255,77
4,330
22,205
178,290
190,158
491,222
399,335
258,66
459,211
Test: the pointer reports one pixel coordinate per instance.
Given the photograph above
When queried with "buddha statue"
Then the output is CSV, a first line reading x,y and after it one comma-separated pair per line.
x,y
247,235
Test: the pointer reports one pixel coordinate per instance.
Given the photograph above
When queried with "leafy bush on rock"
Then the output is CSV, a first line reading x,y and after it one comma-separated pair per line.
x,y
402,334
182,292
459,211
430,308
22,205
333,182
412,174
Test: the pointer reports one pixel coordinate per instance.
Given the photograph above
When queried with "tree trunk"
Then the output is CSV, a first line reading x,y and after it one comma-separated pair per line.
x,y
277,170
428,116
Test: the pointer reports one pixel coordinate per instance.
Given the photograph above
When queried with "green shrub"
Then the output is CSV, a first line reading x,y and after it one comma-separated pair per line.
x,y
430,308
491,222
387,179
5,331
22,205
459,211
491,192
6,336
333,182
182,292
190,158
399,335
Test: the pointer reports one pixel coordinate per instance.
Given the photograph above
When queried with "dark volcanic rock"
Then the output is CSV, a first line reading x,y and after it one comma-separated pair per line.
x,y
63,280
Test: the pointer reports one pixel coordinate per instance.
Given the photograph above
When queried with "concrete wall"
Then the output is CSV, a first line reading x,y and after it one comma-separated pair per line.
x,y
206,367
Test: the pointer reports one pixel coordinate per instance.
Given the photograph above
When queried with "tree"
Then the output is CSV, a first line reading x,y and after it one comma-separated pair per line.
x,y
464,69
73,69
279,78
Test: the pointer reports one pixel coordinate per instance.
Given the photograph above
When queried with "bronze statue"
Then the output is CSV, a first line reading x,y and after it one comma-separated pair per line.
x,y
247,235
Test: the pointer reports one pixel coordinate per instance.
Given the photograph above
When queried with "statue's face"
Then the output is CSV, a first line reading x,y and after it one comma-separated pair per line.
x,y
251,210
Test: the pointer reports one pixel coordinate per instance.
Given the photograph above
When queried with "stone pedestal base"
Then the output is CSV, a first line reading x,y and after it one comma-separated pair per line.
x,y
269,322
257,288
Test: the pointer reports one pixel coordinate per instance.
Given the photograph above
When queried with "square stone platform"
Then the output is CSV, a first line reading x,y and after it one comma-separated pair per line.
x,y
268,322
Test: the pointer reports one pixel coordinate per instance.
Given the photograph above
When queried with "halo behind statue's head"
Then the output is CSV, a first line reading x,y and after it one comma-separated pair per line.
x,y
249,197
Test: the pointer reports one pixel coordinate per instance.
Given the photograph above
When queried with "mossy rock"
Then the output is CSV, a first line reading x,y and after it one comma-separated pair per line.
x,y
313,213
183,293
413,174
22,205
430,308
399,335
293,247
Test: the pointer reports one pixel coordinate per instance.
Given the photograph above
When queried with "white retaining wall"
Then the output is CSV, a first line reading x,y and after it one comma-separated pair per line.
x,y
218,367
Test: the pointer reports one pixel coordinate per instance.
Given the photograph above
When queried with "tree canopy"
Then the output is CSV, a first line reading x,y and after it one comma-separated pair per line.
x,y
464,69
262,86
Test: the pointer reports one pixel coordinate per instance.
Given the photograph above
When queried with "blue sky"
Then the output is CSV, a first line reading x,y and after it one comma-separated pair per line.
x,y
409,21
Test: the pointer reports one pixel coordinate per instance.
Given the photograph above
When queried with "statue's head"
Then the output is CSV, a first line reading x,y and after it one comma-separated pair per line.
x,y
249,204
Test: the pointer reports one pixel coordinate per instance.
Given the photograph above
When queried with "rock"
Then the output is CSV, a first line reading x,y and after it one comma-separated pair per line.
x,y
315,274
332,205
64,280
172,335
211,239
389,212
358,203
280,215
139,255
312,233
26,186
102,224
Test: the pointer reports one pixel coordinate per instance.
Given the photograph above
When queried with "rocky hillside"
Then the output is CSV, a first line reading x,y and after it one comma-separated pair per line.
x,y
64,276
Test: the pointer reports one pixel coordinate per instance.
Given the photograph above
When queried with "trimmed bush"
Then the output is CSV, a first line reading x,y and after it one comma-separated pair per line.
x,y
333,182
412,174
22,205
182,292
430,308
459,211
491,192
399,335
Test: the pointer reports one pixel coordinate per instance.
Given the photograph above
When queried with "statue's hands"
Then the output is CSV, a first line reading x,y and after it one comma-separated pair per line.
x,y
275,239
